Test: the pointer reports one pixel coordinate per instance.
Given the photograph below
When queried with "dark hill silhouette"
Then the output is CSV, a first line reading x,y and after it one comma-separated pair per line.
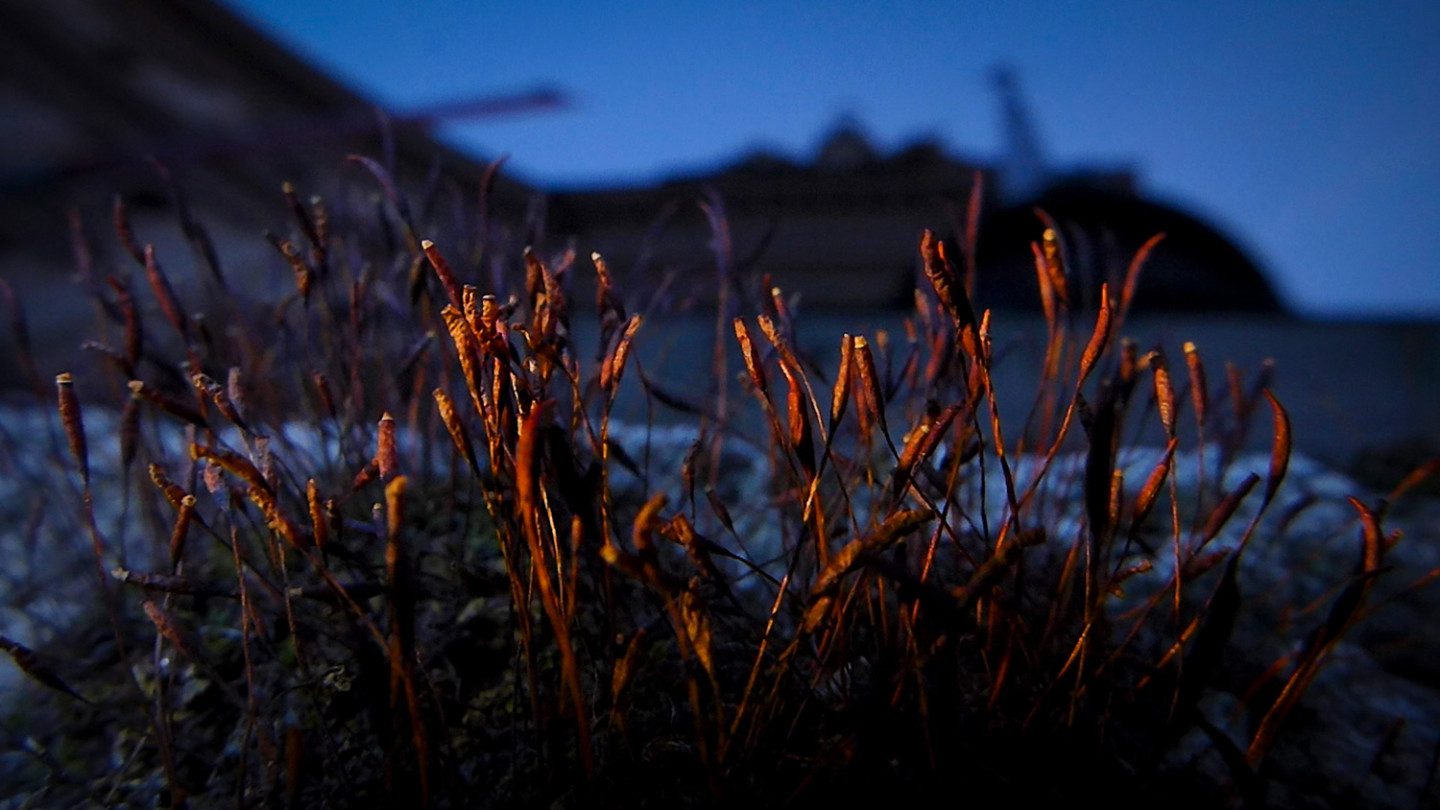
x,y
1193,268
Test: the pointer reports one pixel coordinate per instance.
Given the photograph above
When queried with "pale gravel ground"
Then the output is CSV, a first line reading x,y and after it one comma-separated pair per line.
x,y
46,578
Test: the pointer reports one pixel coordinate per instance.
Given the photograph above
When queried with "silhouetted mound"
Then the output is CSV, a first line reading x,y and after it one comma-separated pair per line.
x,y
1194,268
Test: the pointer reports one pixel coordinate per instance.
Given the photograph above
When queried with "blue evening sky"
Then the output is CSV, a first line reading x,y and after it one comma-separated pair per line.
x,y
1309,131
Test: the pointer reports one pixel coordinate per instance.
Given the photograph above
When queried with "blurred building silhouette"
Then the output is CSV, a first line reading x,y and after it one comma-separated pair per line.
x,y
92,89
842,229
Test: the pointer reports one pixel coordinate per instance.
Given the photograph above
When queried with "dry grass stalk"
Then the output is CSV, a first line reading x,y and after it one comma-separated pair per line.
x,y
74,425
303,273
170,405
233,463
181,529
165,294
30,664
994,618
1343,613
387,462
444,273
120,217
1132,275
1165,401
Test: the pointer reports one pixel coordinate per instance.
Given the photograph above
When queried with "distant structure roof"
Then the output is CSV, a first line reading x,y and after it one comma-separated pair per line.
x,y
842,228
845,148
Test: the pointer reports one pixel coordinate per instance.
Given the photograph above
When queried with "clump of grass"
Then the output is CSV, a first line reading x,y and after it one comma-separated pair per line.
x,y
389,558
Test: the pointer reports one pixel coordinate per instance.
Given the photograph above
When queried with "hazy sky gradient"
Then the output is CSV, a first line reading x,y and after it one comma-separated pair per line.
x,y
1309,131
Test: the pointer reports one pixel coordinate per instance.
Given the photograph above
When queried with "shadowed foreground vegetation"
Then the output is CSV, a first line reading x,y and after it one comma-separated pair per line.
x,y
388,540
